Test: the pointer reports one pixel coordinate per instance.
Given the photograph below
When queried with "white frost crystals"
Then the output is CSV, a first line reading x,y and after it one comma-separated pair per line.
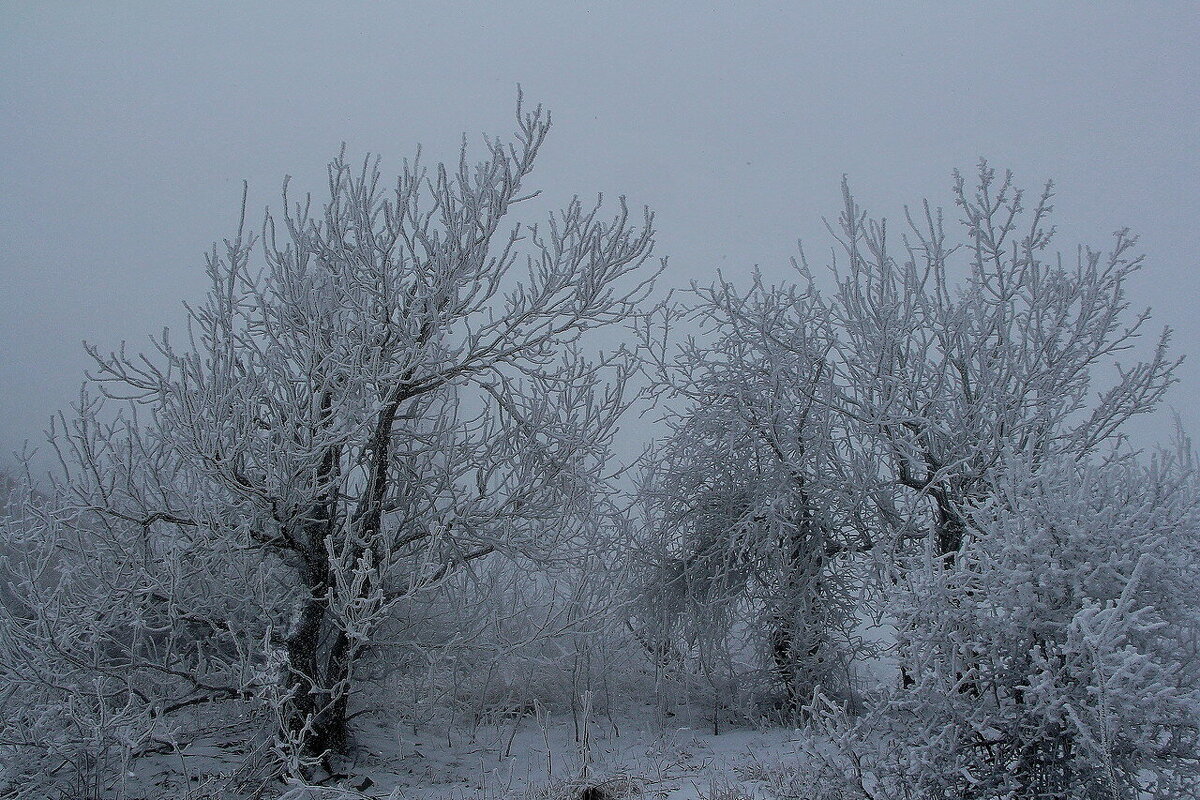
x,y
363,514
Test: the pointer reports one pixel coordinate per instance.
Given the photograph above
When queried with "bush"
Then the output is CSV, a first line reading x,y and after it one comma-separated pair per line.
x,y
1055,655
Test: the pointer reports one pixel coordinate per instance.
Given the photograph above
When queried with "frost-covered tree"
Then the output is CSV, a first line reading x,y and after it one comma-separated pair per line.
x,y
959,346
751,495
1043,631
874,418
372,394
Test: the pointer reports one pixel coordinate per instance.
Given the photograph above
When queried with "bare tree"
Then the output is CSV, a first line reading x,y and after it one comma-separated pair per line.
x,y
751,493
951,373
371,396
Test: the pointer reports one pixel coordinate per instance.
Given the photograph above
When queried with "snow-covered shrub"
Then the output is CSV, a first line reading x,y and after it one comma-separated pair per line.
x,y
66,724
109,645
1056,653
840,756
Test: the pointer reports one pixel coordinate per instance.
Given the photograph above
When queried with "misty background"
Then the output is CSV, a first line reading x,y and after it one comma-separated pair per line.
x,y
127,129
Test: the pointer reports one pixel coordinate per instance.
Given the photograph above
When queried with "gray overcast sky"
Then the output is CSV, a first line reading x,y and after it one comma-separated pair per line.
x,y
127,128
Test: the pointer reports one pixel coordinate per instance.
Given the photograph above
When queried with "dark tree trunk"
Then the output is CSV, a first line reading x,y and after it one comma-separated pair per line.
x,y
303,708
317,684
318,676
949,530
795,640
319,654
333,734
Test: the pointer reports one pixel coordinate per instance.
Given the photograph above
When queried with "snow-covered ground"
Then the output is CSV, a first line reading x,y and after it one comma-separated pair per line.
x,y
531,757
538,756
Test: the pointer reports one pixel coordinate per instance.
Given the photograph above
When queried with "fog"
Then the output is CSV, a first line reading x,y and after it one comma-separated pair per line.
x,y
128,128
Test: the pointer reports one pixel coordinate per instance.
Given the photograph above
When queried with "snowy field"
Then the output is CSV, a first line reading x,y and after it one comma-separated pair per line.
x,y
530,756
